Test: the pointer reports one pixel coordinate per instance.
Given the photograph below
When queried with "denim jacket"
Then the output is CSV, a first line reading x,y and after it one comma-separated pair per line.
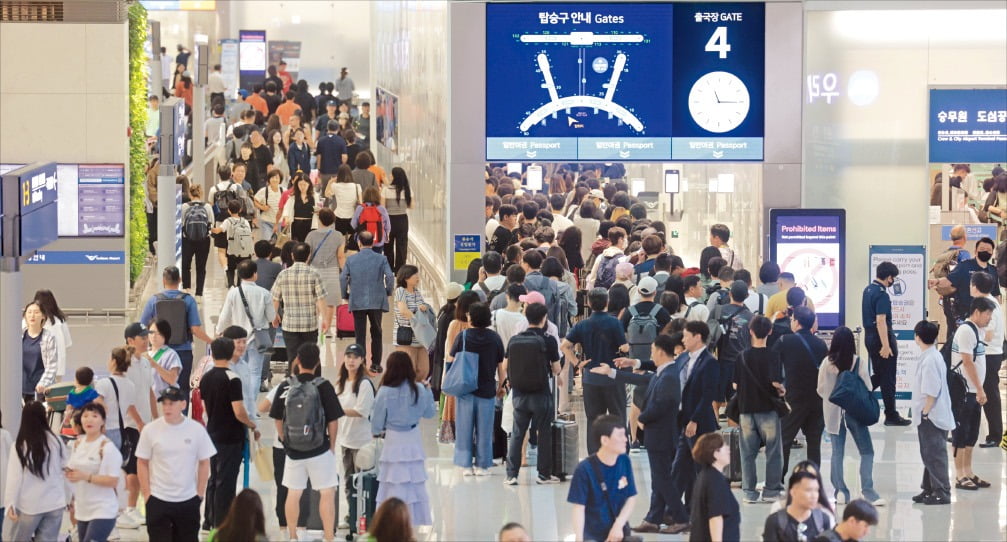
x,y
367,281
395,409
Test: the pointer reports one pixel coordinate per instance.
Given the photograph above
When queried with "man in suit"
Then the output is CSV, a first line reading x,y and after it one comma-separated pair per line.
x,y
660,419
699,377
367,293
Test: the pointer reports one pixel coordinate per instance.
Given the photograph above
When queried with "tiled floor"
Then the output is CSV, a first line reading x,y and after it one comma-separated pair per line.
x,y
474,508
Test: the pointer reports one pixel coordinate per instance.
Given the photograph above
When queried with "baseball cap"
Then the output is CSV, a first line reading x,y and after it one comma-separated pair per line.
x,y
453,290
647,286
243,93
136,329
356,350
596,193
532,297
172,393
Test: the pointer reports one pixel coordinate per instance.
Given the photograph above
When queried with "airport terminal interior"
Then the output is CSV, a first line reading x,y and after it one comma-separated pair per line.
x,y
712,240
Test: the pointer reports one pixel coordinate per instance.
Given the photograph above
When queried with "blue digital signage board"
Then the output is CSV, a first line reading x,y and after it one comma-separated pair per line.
x,y
30,208
968,125
624,81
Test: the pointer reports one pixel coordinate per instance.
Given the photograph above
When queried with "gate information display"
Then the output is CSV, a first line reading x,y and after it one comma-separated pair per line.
x,y
810,243
625,81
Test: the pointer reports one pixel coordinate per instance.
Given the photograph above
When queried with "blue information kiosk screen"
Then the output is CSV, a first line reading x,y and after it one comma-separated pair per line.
x,y
624,81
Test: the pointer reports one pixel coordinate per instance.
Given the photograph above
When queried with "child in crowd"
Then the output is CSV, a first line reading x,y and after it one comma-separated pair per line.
x,y
82,394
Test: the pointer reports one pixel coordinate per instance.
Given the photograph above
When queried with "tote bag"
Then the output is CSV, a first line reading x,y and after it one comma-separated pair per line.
x,y
852,395
462,377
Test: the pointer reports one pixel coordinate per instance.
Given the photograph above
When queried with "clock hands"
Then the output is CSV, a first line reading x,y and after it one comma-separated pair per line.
x,y
717,96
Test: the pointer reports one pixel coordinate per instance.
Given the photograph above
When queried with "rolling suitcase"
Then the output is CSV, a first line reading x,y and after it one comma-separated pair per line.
x,y
732,435
362,502
564,444
344,322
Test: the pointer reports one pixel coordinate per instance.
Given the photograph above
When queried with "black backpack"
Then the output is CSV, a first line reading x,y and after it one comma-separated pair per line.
x,y
222,198
196,222
490,294
958,386
730,335
174,311
527,366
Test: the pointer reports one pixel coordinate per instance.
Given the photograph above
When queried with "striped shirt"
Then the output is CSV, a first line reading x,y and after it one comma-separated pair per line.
x,y
299,288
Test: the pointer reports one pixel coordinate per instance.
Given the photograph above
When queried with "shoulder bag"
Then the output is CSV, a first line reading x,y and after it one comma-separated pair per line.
x,y
627,532
462,376
852,395
128,447
780,405
263,339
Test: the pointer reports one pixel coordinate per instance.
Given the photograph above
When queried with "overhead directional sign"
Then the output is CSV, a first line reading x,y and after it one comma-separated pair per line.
x,y
30,211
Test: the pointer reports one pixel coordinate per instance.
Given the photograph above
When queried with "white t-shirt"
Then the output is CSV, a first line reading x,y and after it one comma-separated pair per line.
x,y
270,198
346,196
174,452
965,341
491,226
99,458
752,302
560,223
506,323
169,360
995,345
127,392
698,313
141,374
355,432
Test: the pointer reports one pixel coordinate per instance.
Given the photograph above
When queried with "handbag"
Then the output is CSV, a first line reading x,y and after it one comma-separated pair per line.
x,y
280,236
404,336
780,405
263,338
263,459
733,409
369,454
852,395
462,376
128,447
424,327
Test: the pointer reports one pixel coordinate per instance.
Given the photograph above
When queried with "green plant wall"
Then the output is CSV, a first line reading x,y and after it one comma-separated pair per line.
x,y
137,144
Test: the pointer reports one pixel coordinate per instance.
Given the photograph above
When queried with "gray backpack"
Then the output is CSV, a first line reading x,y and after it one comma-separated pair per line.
x,y
642,332
239,238
303,416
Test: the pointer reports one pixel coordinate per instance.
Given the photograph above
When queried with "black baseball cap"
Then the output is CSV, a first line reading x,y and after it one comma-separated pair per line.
x,y
356,350
136,329
172,393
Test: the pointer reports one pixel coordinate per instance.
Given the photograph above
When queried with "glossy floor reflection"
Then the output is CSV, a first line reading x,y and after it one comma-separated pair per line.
x,y
474,508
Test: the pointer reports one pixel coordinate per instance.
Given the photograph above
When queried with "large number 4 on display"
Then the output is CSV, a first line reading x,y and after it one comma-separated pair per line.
x,y
718,42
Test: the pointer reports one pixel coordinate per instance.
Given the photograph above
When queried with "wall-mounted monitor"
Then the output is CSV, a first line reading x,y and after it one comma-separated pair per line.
x,y
811,244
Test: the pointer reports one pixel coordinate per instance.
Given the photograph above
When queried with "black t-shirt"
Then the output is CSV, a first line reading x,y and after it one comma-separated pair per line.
x,y
962,276
644,308
711,497
272,101
331,148
753,395
330,403
219,388
790,529
490,348
502,238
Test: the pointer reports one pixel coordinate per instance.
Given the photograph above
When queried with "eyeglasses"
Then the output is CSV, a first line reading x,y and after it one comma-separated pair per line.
x,y
801,528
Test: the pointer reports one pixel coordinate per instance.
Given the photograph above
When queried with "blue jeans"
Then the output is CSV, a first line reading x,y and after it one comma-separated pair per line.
x,y
757,429
474,422
44,526
96,530
862,437
250,386
266,228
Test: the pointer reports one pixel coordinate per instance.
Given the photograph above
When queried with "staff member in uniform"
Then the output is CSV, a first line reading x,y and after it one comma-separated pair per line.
x,y
960,278
880,338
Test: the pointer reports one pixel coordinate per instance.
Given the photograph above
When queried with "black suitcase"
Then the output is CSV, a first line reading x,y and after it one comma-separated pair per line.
x,y
363,501
564,444
314,521
732,435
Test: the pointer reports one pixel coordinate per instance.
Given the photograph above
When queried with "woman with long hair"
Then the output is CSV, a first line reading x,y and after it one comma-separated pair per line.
x,y
374,217
342,195
274,140
398,408
460,323
118,392
245,520
195,248
618,300
55,322
183,89
843,357
398,198
35,493
38,353
356,396
391,523
588,224
299,210
93,469
570,241
445,315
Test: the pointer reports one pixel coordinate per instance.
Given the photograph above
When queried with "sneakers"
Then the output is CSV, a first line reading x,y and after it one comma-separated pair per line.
x,y
510,481
876,502
897,421
480,472
842,498
343,525
114,535
467,471
127,521
936,499
543,480
635,449
921,497
751,500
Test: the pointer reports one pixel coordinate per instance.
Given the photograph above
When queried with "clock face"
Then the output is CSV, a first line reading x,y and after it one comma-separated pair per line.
x,y
719,102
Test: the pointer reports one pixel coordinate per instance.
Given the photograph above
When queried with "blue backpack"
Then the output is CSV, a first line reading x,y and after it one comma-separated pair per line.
x,y
852,395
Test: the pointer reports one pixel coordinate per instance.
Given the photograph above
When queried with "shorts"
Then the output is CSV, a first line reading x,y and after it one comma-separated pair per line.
x,y
220,240
131,433
724,387
322,470
967,433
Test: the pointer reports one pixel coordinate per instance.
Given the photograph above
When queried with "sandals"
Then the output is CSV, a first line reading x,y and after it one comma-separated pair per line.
x,y
979,482
966,483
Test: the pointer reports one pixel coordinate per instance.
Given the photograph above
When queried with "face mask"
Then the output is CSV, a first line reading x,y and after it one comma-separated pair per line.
x,y
984,256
